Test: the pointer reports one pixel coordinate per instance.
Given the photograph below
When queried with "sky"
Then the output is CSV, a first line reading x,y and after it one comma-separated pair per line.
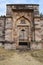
x,y
4,2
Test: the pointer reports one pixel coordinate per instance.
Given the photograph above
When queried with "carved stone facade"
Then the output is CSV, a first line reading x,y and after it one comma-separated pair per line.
x,y
22,27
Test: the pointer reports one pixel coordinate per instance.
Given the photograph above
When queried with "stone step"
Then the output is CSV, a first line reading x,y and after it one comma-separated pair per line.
x,y
23,48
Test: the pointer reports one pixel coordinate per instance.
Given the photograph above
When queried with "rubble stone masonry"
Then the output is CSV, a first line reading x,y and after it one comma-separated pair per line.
x,y
22,27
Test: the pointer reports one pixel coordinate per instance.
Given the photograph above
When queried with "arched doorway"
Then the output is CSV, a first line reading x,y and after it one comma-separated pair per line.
x,y
23,37
23,31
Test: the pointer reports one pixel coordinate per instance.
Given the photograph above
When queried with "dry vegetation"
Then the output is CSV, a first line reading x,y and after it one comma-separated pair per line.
x,y
12,57
4,54
38,55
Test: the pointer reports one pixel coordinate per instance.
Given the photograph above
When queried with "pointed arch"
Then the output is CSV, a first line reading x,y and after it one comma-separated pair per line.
x,y
23,17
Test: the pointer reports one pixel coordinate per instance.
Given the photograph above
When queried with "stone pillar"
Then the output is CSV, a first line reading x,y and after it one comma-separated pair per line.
x,y
15,38
8,33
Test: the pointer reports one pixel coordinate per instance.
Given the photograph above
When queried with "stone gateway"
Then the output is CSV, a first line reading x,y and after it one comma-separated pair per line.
x,y
22,27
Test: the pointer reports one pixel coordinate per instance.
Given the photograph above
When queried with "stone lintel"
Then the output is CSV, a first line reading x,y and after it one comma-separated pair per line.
x,y
22,4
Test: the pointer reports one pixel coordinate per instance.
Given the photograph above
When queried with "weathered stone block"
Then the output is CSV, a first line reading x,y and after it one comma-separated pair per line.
x,y
37,45
14,46
7,46
1,44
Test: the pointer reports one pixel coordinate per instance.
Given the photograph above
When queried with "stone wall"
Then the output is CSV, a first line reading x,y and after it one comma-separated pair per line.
x,y
2,30
37,29
10,7
41,20
36,45
9,28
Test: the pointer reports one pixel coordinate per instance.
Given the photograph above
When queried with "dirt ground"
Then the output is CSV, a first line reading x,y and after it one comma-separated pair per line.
x,y
18,58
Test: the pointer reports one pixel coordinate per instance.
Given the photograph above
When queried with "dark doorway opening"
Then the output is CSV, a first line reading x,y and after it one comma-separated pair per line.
x,y
23,43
